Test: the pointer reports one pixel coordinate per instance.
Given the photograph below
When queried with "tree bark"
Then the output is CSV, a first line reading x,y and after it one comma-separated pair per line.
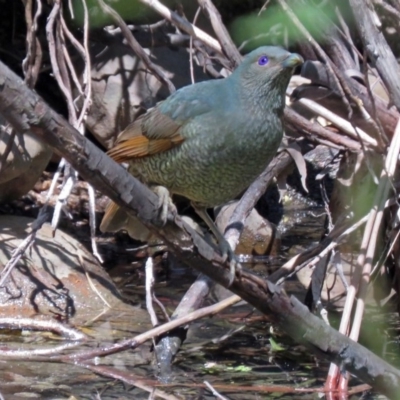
x,y
382,57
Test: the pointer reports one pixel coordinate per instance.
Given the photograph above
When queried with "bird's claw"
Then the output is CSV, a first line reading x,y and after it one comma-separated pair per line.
x,y
235,267
165,203
224,245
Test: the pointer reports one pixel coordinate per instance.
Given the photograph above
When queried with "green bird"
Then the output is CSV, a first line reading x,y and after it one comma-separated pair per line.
x,y
208,141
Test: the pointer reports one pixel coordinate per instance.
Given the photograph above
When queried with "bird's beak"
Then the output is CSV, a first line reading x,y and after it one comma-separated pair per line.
x,y
293,61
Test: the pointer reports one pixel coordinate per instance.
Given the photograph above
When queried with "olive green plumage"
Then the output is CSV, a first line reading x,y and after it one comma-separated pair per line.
x,y
209,141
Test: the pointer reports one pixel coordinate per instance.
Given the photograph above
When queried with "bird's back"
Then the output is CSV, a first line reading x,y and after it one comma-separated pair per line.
x,y
227,145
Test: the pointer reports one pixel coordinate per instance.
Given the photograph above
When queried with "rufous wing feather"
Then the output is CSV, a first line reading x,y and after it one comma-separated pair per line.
x,y
141,146
157,125
150,134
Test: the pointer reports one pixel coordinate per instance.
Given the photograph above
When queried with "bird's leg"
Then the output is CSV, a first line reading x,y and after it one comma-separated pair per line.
x,y
224,246
164,202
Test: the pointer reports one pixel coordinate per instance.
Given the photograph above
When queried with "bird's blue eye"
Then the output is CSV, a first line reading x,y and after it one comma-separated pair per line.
x,y
263,60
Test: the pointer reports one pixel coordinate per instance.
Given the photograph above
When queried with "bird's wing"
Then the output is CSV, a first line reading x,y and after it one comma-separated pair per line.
x,y
151,133
160,128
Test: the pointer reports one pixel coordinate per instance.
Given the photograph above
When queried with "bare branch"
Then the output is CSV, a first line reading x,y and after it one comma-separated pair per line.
x,y
379,52
183,24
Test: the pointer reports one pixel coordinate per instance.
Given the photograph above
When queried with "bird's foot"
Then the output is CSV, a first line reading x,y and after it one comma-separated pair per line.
x,y
235,268
165,203
224,245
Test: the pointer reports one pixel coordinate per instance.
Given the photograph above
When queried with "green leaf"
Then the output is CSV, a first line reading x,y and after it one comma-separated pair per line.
x,y
275,346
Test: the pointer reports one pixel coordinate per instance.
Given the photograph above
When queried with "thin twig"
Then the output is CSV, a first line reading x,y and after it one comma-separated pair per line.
x,y
87,78
55,12
317,48
183,24
25,244
149,291
92,221
152,333
214,391
227,45
29,354
317,132
33,60
156,70
50,325
339,122
191,47
90,281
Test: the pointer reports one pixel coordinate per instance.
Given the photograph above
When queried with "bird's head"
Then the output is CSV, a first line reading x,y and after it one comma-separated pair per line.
x,y
267,68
